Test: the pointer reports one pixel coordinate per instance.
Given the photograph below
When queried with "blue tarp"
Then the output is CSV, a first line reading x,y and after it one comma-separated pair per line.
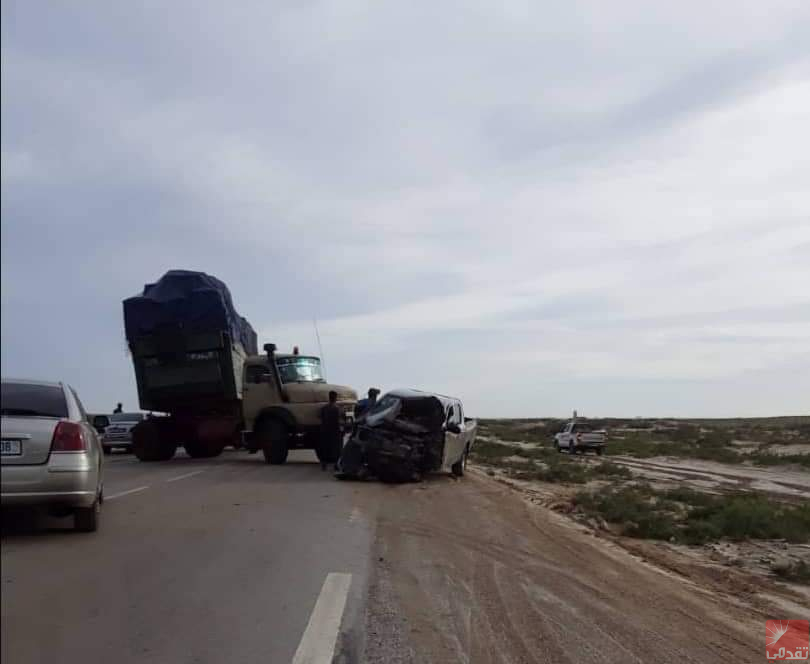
x,y
192,301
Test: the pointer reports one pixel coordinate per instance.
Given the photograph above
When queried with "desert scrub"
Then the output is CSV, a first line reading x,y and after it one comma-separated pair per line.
x,y
692,517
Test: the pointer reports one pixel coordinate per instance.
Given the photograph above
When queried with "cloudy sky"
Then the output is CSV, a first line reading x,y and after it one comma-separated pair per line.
x,y
536,206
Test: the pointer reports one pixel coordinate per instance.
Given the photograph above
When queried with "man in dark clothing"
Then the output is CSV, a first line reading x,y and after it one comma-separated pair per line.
x,y
331,440
119,408
365,405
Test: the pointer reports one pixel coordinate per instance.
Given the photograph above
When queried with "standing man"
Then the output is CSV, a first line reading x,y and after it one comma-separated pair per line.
x,y
365,405
331,440
119,408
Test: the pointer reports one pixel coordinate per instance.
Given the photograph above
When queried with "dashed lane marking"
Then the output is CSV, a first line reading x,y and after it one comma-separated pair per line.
x,y
182,477
125,493
318,642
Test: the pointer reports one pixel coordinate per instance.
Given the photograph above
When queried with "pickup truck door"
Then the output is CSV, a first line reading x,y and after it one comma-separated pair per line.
x,y
453,442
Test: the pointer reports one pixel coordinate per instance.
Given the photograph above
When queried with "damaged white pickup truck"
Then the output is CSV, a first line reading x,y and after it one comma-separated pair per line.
x,y
406,434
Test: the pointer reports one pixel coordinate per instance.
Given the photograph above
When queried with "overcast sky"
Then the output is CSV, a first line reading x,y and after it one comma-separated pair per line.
x,y
535,206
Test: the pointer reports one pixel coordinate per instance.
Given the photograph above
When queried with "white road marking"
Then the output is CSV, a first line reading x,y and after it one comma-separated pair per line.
x,y
126,493
182,477
318,642
356,515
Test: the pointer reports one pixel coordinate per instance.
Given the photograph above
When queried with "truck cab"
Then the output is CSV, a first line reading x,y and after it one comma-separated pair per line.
x,y
282,398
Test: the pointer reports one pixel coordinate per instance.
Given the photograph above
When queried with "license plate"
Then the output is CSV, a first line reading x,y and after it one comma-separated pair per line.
x,y
10,448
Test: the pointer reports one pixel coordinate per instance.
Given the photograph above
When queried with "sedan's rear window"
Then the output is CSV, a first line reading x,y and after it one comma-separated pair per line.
x,y
26,399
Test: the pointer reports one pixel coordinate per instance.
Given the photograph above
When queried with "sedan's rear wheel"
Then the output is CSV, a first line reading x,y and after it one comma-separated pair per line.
x,y
85,519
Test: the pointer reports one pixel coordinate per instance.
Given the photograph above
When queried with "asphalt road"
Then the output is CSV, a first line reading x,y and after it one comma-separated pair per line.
x,y
229,560
204,561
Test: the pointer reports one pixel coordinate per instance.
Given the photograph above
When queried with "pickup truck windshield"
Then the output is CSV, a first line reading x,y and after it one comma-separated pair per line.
x,y
300,370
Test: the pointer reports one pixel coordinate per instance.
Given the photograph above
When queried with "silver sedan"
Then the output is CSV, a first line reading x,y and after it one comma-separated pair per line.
x,y
50,452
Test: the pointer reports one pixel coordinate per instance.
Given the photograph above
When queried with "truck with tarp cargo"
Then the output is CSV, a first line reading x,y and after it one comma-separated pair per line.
x,y
196,361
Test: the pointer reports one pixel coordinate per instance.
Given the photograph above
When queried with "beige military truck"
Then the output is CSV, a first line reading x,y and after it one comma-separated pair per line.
x,y
277,409
196,360
282,398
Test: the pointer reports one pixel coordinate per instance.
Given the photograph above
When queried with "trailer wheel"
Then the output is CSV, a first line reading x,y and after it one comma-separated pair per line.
x,y
274,441
149,445
145,441
198,449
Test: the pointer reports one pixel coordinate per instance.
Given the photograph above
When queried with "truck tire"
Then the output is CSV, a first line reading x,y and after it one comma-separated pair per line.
x,y
149,445
145,441
274,441
85,519
599,451
197,449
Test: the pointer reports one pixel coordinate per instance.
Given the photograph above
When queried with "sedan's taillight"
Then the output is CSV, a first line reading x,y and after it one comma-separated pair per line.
x,y
68,437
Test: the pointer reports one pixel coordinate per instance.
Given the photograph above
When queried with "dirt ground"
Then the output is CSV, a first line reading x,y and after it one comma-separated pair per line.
x,y
709,475
473,571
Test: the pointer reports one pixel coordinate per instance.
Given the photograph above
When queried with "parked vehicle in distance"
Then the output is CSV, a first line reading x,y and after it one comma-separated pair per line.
x,y
51,454
409,433
118,433
578,437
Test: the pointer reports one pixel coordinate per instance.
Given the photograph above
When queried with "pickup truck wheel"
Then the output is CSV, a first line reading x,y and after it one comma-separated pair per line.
x,y
459,466
599,451
274,440
85,519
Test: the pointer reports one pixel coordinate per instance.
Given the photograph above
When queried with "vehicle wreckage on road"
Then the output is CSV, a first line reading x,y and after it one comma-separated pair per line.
x,y
407,434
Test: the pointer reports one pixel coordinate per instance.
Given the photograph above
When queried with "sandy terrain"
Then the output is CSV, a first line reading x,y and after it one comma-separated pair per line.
x,y
473,571
710,475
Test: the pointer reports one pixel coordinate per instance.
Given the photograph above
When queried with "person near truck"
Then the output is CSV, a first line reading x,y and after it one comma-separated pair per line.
x,y
365,405
119,408
331,438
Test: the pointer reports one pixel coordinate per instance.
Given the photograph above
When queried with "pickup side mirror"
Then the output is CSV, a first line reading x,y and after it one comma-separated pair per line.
x,y
453,428
100,422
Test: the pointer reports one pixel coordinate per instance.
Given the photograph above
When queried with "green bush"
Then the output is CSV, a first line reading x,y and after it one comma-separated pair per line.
x,y
765,459
694,518
485,450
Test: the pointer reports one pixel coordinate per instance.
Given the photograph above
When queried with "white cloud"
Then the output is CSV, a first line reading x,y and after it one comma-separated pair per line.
x,y
560,191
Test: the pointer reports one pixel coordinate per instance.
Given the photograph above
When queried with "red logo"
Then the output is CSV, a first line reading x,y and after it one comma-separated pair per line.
x,y
787,640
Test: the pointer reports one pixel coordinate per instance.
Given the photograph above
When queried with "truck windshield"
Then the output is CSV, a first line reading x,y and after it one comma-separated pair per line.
x,y
300,370
126,417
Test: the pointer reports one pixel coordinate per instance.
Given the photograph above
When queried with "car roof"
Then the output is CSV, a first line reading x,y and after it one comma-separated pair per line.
x,y
409,393
29,381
